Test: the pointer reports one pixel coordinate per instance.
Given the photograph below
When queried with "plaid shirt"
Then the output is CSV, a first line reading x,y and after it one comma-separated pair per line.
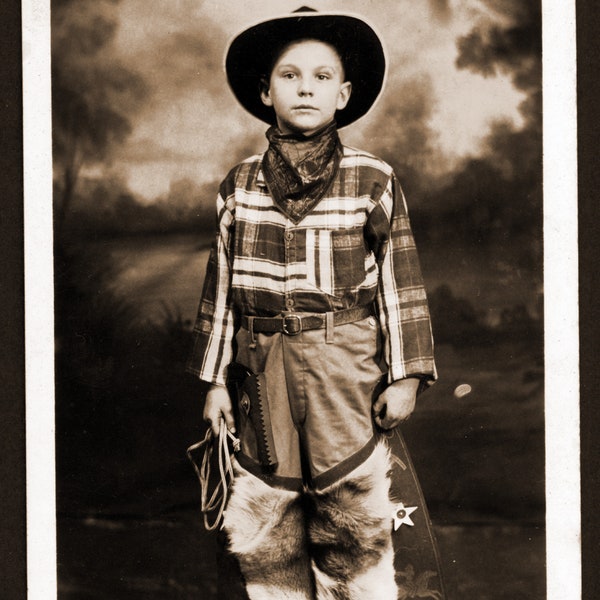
x,y
355,247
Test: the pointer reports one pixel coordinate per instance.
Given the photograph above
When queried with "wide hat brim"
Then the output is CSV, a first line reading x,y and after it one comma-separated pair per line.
x,y
251,53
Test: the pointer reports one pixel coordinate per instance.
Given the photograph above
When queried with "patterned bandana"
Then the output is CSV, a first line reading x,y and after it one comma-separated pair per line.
x,y
299,169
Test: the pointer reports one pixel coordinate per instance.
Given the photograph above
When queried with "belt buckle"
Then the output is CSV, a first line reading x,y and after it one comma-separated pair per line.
x,y
291,329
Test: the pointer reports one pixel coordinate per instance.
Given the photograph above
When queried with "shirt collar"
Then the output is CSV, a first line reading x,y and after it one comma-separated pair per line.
x,y
260,178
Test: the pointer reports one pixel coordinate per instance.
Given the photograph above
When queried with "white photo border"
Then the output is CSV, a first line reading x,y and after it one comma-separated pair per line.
x,y
560,292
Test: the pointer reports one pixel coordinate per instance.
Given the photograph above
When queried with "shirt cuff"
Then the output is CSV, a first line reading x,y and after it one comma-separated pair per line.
x,y
423,370
219,379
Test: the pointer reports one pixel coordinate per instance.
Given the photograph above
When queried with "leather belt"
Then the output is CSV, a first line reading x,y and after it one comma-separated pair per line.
x,y
295,323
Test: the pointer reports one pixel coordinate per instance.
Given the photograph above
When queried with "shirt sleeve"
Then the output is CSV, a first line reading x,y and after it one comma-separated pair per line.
x,y
401,298
214,328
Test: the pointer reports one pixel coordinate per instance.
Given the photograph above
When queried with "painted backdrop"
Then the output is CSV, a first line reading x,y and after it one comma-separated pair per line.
x,y
144,128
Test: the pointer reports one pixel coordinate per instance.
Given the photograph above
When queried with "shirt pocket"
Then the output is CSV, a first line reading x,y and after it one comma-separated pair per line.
x,y
335,259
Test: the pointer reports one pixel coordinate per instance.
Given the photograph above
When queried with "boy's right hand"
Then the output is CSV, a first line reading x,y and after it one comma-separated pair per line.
x,y
218,406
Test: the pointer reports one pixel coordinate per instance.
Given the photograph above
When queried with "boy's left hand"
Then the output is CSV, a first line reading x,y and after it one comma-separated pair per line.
x,y
396,403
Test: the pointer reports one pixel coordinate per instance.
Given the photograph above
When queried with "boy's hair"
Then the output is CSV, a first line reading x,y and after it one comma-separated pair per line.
x,y
252,54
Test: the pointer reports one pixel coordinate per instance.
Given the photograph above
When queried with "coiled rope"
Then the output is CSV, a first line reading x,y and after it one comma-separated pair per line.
x,y
216,501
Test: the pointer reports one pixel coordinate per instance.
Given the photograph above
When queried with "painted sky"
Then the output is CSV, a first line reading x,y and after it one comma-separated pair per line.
x,y
191,127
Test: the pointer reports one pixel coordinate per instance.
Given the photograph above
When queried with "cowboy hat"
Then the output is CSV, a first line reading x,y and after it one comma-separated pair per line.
x,y
251,54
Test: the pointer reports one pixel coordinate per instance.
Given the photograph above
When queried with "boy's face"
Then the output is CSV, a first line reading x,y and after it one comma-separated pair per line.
x,y
306,87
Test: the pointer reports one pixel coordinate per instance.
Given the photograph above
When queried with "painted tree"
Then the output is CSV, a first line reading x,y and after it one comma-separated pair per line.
x,y
94,94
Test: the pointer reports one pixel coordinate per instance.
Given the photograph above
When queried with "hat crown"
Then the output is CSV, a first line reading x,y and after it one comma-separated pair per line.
x,y
305,9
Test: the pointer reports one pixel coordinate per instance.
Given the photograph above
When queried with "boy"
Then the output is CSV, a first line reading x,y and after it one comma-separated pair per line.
x,y
313,286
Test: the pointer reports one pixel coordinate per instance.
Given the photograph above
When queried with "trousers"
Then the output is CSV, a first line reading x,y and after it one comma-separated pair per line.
x,y
317,525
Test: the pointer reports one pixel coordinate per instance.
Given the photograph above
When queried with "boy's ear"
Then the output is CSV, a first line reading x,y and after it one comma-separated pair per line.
x,y
263,87
344,96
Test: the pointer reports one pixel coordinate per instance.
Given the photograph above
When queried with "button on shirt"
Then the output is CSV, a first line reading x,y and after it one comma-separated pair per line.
x,y
355,247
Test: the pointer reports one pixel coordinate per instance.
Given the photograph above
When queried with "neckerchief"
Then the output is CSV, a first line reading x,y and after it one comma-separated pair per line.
x,y
298,169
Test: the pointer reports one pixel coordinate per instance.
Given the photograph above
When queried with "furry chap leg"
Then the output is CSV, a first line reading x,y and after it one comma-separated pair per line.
x,y
266,532
349,529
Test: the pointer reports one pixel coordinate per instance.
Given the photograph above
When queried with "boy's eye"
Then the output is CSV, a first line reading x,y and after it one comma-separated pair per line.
x,y
289,75
322,76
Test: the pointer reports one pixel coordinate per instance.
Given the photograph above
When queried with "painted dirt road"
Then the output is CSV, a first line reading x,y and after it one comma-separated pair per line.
x,y
128,523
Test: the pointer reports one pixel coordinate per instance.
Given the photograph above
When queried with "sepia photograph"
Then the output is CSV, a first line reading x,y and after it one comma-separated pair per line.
x,y
298,297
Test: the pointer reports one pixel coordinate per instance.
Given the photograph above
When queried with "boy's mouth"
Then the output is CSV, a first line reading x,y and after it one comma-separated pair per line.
x,y
304,107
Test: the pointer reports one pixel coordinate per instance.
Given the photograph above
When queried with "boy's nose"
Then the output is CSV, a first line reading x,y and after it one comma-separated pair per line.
x,y
304,88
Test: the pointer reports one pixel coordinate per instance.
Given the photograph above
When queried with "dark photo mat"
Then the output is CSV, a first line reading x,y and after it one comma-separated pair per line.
x,y
588,238
13,575
588,117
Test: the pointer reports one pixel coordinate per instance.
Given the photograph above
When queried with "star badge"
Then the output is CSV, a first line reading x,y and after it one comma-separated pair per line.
x,y
401,515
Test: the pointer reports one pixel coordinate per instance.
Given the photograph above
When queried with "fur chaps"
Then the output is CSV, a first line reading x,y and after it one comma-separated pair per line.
x,y
266,532
349,534
332,544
